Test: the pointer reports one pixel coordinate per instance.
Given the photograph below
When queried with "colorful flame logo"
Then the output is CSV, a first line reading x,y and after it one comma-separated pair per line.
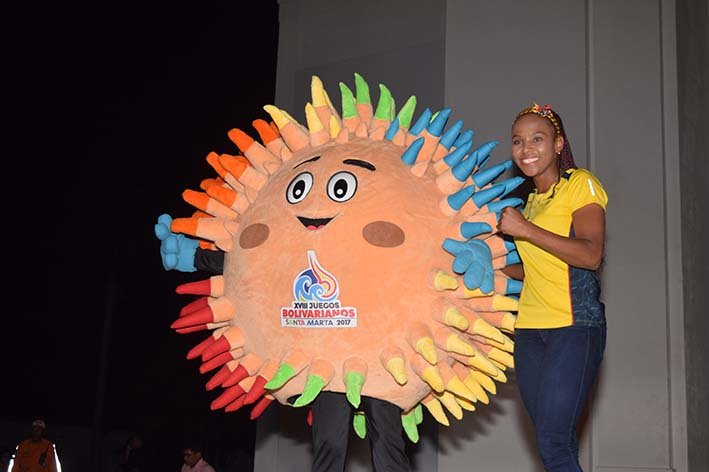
x,y
315,284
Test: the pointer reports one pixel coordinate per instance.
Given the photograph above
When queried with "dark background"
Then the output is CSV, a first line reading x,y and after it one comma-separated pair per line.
x,y
110,109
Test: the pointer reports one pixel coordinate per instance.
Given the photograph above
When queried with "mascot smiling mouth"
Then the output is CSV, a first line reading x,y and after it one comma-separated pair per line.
x,y
314,223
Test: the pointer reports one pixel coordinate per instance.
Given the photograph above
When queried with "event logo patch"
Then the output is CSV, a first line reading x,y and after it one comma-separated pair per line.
x,y
315,301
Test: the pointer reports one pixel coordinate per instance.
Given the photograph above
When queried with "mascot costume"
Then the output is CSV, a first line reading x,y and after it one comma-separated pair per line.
x,y
357,255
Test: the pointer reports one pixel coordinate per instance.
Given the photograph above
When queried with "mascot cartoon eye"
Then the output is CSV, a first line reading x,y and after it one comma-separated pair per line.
x,y
299,187
342,186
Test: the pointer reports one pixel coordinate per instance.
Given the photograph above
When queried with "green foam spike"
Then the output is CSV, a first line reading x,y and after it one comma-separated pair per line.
x,y
362,90
406,113
359,424
313,385
409,423
284,373
392,110
353,384
433,117
383,110
348,102
418,414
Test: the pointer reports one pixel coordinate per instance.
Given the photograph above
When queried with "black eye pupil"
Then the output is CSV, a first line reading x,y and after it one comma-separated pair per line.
x,y
299,188
340,187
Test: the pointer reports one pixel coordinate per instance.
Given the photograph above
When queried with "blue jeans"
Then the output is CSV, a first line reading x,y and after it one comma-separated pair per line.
x,y
555,370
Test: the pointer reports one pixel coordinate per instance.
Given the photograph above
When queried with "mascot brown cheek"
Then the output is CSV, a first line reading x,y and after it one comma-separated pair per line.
x,y
335,277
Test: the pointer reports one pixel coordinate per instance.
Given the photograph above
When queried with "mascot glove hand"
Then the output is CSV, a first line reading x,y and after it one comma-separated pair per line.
x,y
473,259
177,250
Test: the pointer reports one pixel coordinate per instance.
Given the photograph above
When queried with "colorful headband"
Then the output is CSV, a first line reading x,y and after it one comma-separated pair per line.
x,y
542,110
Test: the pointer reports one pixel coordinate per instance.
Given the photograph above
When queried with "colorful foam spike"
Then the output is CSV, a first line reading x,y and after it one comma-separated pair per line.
x,y
455,157
350,118
213,161
270,137
427,372
200,327
211,287
218,310
478,361
237,201
204,202
319,135
363,102
222,374
473,385
478,325
261,406
359,424
320,373
420,124
291,364
212,229
434,407
392,359
266,373
431,135
406,113
486,176
197,351
442,280
493,303
220,359
411,154
232,393
231,338
465,404
408,421
448,401
241,168
448,340
323,106
248,366
194,305
260,157
384,113
473,229
502,320
290,130
485,381
421,340
454,384
506,346
354,371
448,314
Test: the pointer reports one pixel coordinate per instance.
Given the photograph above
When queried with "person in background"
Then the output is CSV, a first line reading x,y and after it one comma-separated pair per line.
x,y
560,332
194,462
35,454
5,457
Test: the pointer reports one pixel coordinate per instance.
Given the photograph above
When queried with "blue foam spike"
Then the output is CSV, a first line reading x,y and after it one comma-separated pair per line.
x,y
462,170
464,137
458,199
483,197
484,177
393,128
410,155
462,262
510,246
470,230
513,287
511,184
453,247
421,123
483,151
458,154
435,128
512,258
507,202
451,134
484,161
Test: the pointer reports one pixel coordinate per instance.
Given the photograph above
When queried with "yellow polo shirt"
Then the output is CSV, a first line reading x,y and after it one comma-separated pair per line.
x,y
555,294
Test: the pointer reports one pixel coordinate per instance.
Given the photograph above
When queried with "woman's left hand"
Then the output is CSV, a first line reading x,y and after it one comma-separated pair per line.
x,y
513,223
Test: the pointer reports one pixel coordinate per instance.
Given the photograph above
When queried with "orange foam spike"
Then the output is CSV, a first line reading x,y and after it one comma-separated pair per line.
x,y
430,143
205,203
267,133
261,158
241,168
212,229
207,183
237,201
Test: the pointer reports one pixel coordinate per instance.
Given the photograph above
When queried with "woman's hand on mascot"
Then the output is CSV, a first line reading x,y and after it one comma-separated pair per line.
x,y
177,250
513,223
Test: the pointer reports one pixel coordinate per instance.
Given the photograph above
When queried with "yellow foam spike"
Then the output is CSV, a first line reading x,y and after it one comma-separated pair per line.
x,y
427,349
456,386
436,409
443,281
502,303
317,92
396,367
334,127
458,345
482,363
453,317
508,322
449,401
465,404
476,388
483,328
485,381
501,356
278,116
432,377
314,123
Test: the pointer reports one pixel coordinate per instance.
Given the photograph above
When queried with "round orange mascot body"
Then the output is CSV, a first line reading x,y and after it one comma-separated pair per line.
x,y
336,275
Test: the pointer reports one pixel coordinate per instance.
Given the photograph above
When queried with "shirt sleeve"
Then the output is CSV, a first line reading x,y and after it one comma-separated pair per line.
x,y
584,189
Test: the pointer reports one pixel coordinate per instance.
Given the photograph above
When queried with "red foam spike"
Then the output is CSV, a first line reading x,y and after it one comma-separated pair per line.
x,y
201,287
201,316
228,396
191,307
309,418
199,348
260,406
256,391
192,329
235,405
216,348
239,374
215,362
218,378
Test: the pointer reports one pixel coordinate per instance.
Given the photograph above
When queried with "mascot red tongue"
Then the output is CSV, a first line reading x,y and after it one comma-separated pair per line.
x,y
353,261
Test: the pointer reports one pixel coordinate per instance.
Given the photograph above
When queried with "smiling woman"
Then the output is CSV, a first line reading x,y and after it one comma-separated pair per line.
x,y
339,293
